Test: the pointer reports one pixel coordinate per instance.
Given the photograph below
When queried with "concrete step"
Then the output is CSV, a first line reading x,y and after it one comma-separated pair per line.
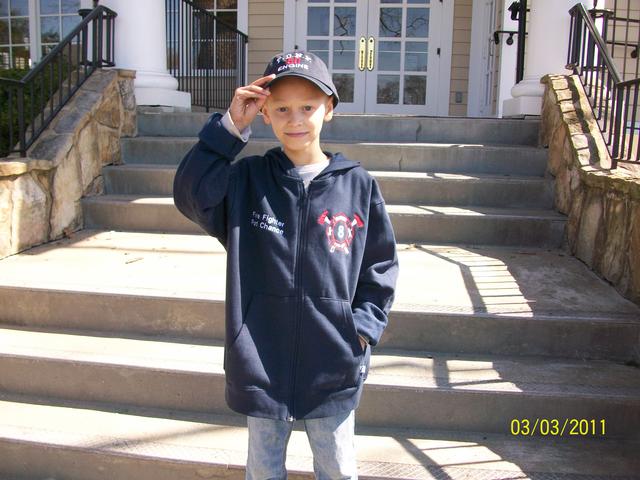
x,y
397,187
466,393
394,156
76,441
477,225
411,223
376,128
448,299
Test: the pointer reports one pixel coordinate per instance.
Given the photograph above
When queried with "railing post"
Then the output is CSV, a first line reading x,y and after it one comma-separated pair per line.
x,y
617,127
577,43
100,23
22,134
522,33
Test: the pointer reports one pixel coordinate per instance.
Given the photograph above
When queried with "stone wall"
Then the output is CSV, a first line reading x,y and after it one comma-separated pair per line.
x,y
602,205
40,194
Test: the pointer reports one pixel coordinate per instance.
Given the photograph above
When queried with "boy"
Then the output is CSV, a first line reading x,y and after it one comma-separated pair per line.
x,y
311,265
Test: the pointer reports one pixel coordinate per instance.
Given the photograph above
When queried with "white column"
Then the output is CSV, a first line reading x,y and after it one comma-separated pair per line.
x,y
545,53
140,45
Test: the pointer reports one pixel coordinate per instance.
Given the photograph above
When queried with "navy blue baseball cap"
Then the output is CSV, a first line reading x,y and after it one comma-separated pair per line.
x,y
304,65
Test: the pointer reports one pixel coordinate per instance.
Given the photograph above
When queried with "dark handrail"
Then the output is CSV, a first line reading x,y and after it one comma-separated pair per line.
x,y
518,11
64,69
522,38
614,100
594,36
205,54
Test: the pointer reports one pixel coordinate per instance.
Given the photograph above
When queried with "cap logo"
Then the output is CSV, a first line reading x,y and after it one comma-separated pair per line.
x,y
306,65
293,60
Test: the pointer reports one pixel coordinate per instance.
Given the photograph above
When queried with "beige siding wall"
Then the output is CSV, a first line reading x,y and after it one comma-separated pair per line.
x,y
460,56
266,32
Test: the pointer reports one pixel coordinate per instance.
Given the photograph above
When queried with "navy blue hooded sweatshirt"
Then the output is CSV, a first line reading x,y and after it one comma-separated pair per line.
x,y
307,272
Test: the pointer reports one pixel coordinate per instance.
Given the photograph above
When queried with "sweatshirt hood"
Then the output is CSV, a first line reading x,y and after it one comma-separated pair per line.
x,y
337,161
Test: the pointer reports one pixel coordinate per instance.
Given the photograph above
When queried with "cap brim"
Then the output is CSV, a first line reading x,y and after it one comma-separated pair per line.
x,y
318,83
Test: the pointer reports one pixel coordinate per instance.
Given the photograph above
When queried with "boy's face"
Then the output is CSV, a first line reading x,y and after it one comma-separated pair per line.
x,y
296,110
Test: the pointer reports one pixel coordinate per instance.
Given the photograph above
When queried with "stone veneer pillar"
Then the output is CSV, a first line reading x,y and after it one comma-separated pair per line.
x,y
545,53
140,45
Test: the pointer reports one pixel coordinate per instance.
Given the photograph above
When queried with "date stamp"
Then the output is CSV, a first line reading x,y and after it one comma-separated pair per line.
x,y
558,427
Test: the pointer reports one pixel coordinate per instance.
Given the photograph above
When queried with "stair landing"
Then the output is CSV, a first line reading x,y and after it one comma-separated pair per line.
x,y
455,279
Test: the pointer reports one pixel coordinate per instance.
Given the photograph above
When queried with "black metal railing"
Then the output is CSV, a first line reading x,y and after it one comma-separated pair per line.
x,y
621,35
614,99
205,54
518,12
32,102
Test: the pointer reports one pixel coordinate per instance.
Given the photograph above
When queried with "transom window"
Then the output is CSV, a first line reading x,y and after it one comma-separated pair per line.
x,y
49,22
14,34
222,40
57,19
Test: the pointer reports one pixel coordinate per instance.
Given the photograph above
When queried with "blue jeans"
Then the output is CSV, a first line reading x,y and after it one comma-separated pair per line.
x,y
331,440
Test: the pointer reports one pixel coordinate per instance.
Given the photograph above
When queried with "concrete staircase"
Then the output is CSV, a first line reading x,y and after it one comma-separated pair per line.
x,y
455,192
111,341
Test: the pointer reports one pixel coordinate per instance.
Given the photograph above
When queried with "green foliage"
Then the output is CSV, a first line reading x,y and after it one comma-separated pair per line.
x,y
13,74
37,96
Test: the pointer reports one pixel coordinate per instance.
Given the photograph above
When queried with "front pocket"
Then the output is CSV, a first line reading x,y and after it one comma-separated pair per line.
x,y
351,325
261,355
330,353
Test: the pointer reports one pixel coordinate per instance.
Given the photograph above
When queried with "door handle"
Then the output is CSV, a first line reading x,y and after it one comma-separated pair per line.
x,y
372,48
362,54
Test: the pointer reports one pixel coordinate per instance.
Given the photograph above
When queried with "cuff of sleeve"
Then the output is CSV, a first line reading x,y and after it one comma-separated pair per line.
x,y
227,123
216,138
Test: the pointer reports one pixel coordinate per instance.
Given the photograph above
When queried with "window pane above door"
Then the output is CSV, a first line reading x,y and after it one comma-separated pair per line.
x,y
320,48
389,56
318,21
49,7
20,30
344,54
21,57
4,58
69,22
70,6
4,31
19,8
416,56
417,22
390,22
344,21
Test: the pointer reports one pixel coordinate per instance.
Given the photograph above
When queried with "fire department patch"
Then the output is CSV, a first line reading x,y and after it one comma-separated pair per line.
x,y
340,230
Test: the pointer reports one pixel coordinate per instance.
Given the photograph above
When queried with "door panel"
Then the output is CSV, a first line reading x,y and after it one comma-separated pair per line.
x,y
331,30
382,54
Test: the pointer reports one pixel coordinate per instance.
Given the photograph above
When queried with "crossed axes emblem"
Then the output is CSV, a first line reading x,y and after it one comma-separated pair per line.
x,y
340,230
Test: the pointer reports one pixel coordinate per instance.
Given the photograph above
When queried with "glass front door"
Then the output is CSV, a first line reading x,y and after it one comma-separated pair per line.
x,y
383,54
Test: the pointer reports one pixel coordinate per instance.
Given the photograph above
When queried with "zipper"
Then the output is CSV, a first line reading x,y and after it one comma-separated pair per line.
x,y
304,207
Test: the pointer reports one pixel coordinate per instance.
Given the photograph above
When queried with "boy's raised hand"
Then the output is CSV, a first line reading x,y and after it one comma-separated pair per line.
x,y
248,101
